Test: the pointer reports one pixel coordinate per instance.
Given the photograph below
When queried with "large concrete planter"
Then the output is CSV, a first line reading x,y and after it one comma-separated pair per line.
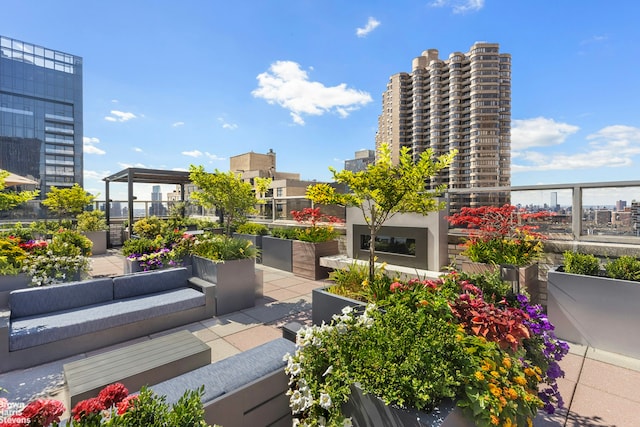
x,y
367,410
596,311
306,258
99,240
527,276
10,283
324,305
256,241
236,282
277,252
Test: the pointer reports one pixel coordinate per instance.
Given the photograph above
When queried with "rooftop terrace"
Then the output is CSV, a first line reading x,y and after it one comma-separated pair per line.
x,y
599,388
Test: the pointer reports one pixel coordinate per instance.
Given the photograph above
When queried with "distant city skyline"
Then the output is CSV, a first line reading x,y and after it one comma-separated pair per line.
x,y
166,86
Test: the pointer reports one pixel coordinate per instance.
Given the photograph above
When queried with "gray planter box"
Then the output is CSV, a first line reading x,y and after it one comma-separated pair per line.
x,y
99,240
253,238
277,253
367,410
11,283
324,305
595,311
236,282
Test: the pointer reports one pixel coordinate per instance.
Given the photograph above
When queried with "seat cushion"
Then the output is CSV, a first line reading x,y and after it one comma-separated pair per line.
x,y
228,374
149,282
53,298
36,330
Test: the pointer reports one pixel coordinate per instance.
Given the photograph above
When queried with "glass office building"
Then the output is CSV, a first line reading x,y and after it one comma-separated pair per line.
x,y
40,114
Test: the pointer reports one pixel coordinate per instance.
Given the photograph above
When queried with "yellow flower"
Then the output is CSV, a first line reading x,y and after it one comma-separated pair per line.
x,y
506,362
507,422
479,376
495,374
529,372
495,390
529,422
512,394
520,380
486,365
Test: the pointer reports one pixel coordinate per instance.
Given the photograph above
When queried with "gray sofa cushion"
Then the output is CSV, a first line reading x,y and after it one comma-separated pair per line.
x,y
149,282
34,301
35,330
228,374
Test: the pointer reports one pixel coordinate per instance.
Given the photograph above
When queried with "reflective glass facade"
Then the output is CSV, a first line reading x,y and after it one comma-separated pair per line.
x,y
40,114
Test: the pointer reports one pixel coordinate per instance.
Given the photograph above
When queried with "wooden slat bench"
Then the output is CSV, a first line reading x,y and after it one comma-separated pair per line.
x,y
136,365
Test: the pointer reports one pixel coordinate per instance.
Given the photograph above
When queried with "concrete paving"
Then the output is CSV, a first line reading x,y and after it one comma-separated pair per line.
x,y
600,389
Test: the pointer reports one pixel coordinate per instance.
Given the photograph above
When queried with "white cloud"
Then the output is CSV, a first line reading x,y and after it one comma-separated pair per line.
x,y
194,153
539,132
131,165
372,24
137,149
288,85
96,175
460,6
214,157
120,116
612,147
89,146
228,126
177,124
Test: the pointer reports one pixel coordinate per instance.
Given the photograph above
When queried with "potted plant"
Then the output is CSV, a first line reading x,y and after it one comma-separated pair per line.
x,y
230,264
316,240
277,248
502,236
253,232
588,301
93,225
12,257
428,344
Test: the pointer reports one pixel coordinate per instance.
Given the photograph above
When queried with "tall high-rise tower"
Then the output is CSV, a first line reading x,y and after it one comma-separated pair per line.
x,y
41,114
463,103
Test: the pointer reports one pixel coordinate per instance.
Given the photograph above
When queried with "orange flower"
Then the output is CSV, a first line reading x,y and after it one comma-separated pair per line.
x,y
495,420
520,380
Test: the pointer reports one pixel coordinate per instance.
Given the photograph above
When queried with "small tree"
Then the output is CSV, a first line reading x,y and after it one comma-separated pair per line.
x,y
384,189
11,199
65,202
224,191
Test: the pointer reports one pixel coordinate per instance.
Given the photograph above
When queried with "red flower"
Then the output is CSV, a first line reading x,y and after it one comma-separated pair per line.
x,y
396,286
112,394
86,408
124,405
43,412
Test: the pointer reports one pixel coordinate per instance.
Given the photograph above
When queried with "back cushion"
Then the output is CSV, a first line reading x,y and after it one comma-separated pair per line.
x,y
47,299
150,282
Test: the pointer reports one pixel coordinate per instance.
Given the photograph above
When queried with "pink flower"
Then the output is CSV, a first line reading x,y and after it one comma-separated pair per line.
x,y
43,412
396,286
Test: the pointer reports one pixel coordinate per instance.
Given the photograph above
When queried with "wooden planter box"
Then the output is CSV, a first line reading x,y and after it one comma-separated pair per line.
x,y
596,311
367,410
306,258
10,283
324,305
527,276
276,253
236,282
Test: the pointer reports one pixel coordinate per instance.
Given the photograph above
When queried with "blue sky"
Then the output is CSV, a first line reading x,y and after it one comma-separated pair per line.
x,y
168,84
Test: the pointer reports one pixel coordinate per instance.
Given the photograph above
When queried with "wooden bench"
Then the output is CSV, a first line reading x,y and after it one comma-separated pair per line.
x,y
136,365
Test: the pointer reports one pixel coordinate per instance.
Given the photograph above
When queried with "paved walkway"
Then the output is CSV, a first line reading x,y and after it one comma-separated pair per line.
x,y
600,389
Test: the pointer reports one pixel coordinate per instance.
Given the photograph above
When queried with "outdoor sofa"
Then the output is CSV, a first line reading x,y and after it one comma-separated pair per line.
x,y
49,323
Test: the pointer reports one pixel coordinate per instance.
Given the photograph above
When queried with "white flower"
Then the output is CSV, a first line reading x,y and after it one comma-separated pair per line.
x,y
347,310
347,422
328,371
325,400
322,422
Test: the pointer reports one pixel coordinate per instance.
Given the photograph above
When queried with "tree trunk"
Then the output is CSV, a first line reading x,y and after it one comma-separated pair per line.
x,y
372,256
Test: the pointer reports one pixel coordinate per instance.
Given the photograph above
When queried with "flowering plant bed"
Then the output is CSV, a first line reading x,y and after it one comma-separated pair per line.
x,y
501,235
114,406
426,341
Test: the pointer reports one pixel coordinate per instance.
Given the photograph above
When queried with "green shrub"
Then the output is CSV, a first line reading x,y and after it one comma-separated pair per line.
x,y
252,228
91,221
23,233
285,233
149,227
140,246
11,256
626,267
577,263
316,234
353,282
218,247
63,239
